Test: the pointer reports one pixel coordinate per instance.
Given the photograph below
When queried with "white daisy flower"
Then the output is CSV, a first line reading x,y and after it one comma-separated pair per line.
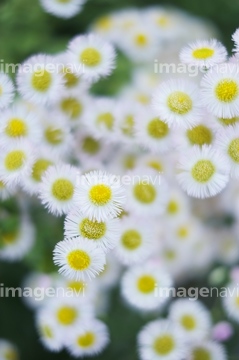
x,y
227,246
16,244
135,243
72,104
106,26
177,205
19,123
160,340
235,38
51,336
89,339
153,133
192,319
146,192
184,231
220,90
57,189
102,233
204,53
39,80
231,301
62,8
177,102
203,172
7,91
8,350
85,290
92,56
207,350
100,195
228,143
79,258
16,162
146,287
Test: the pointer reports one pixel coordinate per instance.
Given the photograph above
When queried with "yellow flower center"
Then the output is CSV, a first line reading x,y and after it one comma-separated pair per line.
x,y
91,57
92,229
131,239
10,355
53,136
173,207
188,322
180,102
63,189
100,194
233,150
91,145
145,193
170,255
164,345
129,162
78,260
226,90
141,40
41,80
40,166
15,160
72,107
16,127
86,340
200,135
163,21
107,119
182,232
201,354
157,129
47,332
228,122
77,286
128,125
67,315
143,99
104,23
203,170
155,165
146,284
9,238
64,1
71,79
203,53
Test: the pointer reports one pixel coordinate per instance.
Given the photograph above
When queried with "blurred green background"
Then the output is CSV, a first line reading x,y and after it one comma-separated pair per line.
x,y
24,30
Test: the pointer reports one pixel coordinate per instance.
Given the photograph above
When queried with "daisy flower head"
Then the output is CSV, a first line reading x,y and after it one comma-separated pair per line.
x,y
50,334
16,162
89,340
89,148
19,123
231,301
39,80
65,9
72,104
102,233
192,319
8,350
203,172
100,195
127,115
141,284
177,205
205,53
7,91
78,258
160,340
135,242
177,103
228,143
153,133
220,90
207,349
92,56
146,192
235,38
106,26
57,189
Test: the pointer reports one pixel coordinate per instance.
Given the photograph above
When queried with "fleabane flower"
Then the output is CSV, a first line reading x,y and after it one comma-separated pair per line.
x,y
16,162
7,91
177,103
58,187
231,301
220,90
72,104
39,80
89,339
204,53
206,349
141,285
8,350
62,8
92,56
78,258
160,340
192,319
228,142
102,233
100,195
51,336
203,172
